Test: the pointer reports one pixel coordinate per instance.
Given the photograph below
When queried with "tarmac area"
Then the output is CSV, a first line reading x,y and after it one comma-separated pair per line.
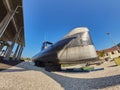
x,y
26,76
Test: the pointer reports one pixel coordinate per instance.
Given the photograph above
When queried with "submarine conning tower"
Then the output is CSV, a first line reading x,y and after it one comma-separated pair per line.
x,y
82,36
80,49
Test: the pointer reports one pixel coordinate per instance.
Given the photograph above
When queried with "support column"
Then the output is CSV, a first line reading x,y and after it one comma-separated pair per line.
x,y
1,46
14,56
6,50
2,52
9,51
20,53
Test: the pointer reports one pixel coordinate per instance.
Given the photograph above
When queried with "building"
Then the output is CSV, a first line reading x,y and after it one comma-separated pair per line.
x,y
11,28
112,52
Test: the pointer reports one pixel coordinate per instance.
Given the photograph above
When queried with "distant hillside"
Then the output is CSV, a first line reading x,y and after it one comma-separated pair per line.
x,y
118,44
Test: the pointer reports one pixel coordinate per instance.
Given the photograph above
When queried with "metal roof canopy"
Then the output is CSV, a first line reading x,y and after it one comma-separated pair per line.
x,y
16,23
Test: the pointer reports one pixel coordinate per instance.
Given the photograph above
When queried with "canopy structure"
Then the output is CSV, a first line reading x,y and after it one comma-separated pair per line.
x,y
11,28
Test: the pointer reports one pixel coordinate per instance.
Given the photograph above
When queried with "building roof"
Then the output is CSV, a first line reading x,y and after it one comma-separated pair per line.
x,y
109,49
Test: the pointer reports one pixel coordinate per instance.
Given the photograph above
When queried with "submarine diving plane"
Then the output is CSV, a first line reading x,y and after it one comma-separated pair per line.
x,y
74,48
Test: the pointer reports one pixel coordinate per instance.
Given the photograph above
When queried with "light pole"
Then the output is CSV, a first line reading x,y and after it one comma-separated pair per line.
x,y
112,40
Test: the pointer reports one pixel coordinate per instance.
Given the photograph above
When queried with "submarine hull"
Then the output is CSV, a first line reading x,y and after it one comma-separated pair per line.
x,y
76,47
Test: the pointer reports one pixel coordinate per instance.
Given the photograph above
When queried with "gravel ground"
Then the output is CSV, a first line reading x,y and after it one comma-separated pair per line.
x,y
25,76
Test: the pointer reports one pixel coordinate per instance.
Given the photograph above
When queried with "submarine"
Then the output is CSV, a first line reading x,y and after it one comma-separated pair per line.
x,y
74,48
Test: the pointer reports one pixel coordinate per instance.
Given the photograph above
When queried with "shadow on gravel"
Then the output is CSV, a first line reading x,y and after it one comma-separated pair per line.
x,y
112,66
4,64
73,83
69,83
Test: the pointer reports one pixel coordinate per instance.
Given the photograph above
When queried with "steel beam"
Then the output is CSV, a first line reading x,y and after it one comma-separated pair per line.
x,y
4,24
7,4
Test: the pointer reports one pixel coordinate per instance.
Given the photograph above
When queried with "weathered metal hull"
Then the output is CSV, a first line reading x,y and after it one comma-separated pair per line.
x,y
75,47
80,54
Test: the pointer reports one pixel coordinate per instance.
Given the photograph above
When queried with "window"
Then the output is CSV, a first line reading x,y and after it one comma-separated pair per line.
x,y
118,51
112,52
106,54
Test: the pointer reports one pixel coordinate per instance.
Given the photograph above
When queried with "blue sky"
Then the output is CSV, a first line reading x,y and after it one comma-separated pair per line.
x,y
52,19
